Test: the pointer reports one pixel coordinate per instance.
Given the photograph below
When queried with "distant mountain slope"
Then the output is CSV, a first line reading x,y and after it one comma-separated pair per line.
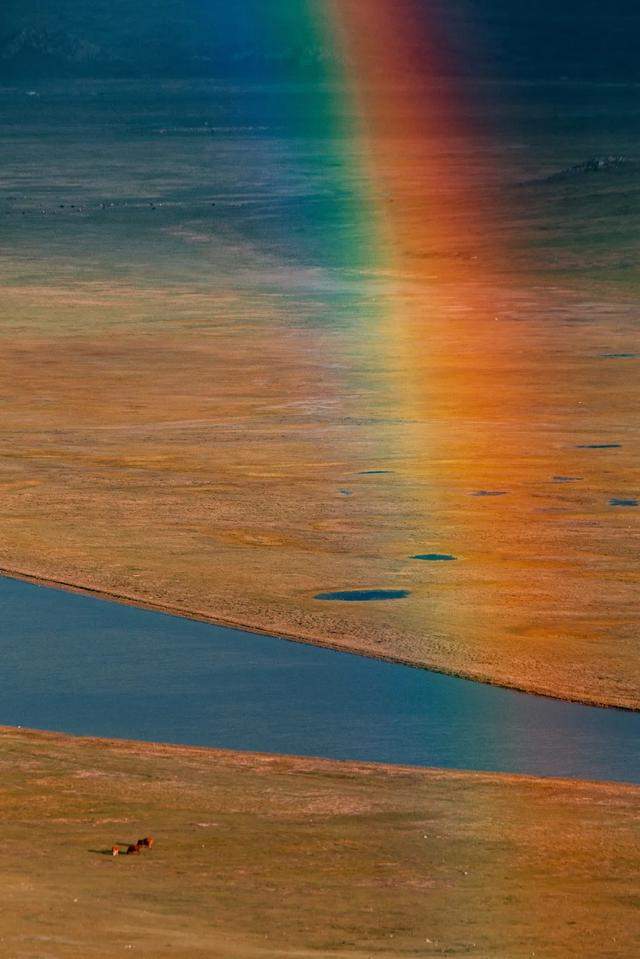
x,y
40,38
37,51
94,37
210,37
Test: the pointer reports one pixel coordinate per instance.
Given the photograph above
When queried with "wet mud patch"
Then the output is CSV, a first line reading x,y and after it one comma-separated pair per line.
x,y
619,356
363,595
599,446
435,557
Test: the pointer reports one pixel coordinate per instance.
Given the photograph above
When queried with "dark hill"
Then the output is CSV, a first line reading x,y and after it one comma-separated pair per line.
x,y
509,38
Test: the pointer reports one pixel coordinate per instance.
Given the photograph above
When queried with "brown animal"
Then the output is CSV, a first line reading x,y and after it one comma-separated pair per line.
x,y
133,850
115,851
147,842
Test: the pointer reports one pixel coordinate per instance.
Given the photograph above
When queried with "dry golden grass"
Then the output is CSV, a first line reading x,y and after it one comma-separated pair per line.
x,y
211,454
262,856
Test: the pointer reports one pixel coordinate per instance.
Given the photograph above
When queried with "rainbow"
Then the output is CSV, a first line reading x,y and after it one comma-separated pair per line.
x,y
413,117
417,182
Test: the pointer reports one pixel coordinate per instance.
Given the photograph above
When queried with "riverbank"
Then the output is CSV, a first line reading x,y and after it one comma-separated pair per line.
x,y
125,462
209,408
265,856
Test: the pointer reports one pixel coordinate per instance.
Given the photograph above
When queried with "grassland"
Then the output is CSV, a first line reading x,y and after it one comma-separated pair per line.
x,y
278,856
207,406
206,470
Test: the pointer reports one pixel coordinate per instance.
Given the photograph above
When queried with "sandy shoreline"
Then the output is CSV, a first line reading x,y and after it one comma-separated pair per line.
x,y
292,762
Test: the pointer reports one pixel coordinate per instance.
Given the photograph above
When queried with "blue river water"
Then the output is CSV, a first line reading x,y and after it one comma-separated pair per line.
x,y
78,664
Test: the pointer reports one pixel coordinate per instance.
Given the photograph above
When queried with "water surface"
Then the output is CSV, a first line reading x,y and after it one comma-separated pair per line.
x,y
81,665
363,595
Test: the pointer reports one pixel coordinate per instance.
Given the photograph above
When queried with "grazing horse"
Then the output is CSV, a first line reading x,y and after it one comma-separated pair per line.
x,y
147,842
133,850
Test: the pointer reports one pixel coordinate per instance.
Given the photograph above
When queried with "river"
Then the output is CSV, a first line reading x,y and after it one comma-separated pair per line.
x,y
78,664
